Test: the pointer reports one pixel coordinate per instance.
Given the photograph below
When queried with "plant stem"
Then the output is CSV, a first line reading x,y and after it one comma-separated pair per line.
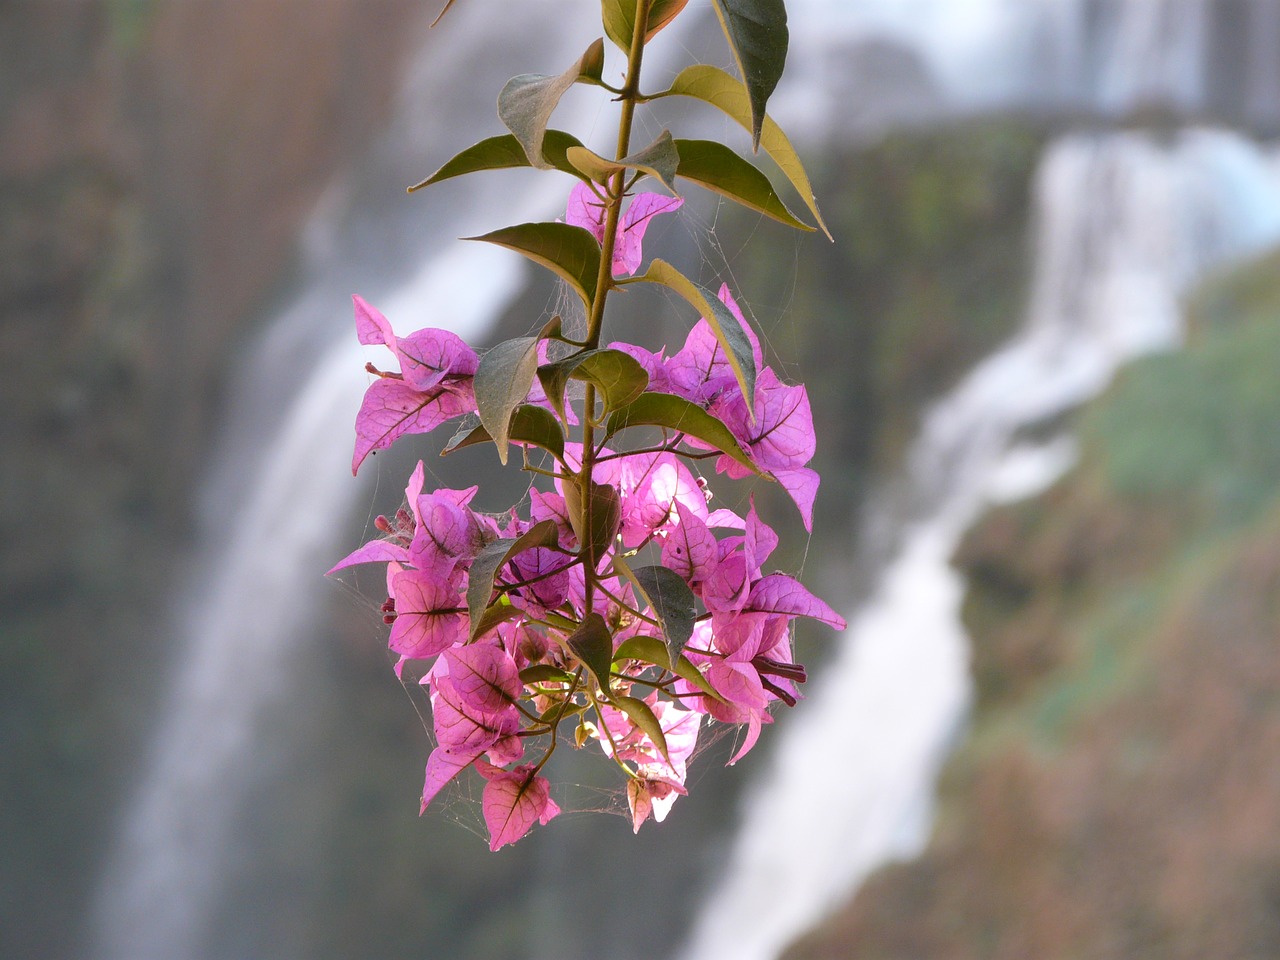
x,y
604,282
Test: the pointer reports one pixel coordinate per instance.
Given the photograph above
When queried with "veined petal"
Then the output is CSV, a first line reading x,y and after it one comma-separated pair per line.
x,y
513,801
393,408
627,251
430,615
375,551
779,593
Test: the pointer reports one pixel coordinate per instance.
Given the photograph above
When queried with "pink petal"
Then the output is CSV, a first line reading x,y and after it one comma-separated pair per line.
x,y
393,408
513,801
484,677
802,485
428,356
461,728
375,551
690,547
586,209
779,593
371,326
442,766
447,532
430,615
627,252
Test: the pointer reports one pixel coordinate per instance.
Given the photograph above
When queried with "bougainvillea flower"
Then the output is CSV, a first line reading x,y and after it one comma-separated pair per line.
x,y
513,801
448,533
700,371
653,797
690,548
430,614
433,385
426,356
780,440
586,209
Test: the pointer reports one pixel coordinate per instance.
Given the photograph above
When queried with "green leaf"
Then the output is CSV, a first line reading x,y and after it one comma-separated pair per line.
x,y
620,19
686,670
559,711
502,153
644,718
757,35
673,602
500,611
596,523
716,167
712,85
676,413
501,383
544,673
652,650
567,251
670,599
646,649
526,103
724,324
529,424
618,376
490,560
659,160
593,645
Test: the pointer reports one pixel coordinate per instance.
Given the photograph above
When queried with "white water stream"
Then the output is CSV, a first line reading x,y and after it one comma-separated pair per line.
x,y
1124,224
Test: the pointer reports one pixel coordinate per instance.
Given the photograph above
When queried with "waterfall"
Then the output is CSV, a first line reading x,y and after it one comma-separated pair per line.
x,y
830,809
274,507
1124,224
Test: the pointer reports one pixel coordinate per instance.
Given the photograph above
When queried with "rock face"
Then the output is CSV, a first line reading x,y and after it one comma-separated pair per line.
x,y
156,164
1117,796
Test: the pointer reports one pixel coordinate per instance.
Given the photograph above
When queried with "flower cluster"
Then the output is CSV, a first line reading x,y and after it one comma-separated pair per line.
x,y
617,603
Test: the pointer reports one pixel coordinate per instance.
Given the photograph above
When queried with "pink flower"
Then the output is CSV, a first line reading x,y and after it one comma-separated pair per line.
x,y
433,385
513,801
586,209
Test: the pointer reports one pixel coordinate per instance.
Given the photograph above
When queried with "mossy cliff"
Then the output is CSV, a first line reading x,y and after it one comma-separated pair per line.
x,y
1117,795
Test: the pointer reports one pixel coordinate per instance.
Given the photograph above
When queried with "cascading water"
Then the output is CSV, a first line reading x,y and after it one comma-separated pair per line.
x,y
1124,225
807,839
273,508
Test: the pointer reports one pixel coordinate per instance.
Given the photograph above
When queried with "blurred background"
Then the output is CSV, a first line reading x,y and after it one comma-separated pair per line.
x,y
1043,357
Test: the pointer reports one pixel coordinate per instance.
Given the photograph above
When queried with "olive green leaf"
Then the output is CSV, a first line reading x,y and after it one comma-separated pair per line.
x,y
593,645
712,85
529,424
652,650
728,331
502,153
544,673
757,35
670,599
501,384
716,167
618,376
643,717
659,160
676,413
526,103
490,560
620,19
595,523
567,251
